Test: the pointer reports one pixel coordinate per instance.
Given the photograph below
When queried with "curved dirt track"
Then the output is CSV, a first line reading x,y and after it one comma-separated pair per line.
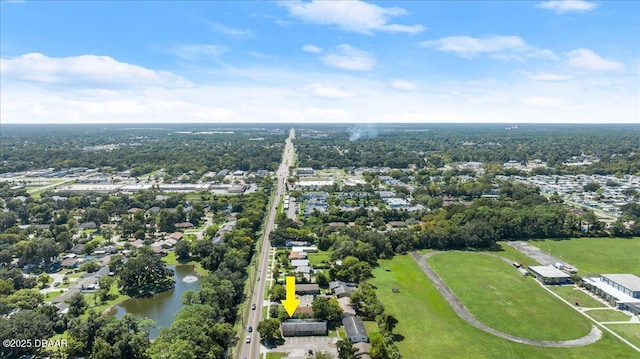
x,y
464,313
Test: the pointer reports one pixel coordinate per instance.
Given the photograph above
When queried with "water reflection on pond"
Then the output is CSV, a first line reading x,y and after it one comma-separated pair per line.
x,y
162,307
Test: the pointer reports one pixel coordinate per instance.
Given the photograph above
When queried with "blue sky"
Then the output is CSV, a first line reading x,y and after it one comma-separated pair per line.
x,y
568,61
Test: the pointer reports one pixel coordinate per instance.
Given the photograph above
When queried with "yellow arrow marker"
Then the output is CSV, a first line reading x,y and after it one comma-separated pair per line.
x,y
291,303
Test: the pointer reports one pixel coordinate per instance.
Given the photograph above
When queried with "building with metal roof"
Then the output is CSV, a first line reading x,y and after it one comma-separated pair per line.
x,y
354,328
298,327
628,284
549,274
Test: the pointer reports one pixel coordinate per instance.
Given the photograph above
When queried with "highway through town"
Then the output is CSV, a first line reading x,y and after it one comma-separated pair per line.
x,y
252,350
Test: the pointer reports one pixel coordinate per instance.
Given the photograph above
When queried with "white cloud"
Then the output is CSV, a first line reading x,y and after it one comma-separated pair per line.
x,y
312,49
547,102
562,6
263,94
502,47
355,16
347,57
549,77
404,85
588,60
230,31
260,55
200,52
83,71
324,91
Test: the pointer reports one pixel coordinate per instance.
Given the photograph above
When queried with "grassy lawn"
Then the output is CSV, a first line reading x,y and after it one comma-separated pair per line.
x,y
574,295
50,295
100,307
171,260
630,332
608,315
76,275
593,256
280,206
427,324
371,327
316,259
276,355
498,295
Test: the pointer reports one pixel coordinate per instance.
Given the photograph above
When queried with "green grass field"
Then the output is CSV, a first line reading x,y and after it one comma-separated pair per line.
x,y
371,327
50,295
428,326
608,315
630,332
316,259
499,296
171,260
593,256
276,355
572,295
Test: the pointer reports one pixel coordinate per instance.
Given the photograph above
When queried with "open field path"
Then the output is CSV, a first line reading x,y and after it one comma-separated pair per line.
x,y
464,313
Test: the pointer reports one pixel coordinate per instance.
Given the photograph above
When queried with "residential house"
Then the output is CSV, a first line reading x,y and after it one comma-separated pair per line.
x,y
302,289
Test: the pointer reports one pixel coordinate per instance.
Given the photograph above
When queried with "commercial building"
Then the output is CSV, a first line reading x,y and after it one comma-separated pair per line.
x,y
628,284
550,275
298,327
621,290
305,172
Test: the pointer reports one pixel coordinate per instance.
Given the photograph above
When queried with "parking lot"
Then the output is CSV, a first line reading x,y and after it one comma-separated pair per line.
x,y
299,346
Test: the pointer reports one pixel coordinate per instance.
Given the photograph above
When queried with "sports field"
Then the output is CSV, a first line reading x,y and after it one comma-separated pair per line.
x,y
502,298
429,328
593,256
573,295
608,315
630,332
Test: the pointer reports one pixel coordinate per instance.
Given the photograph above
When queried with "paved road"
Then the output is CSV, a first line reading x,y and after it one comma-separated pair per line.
x,y
542,257
252,350
200,233
464,313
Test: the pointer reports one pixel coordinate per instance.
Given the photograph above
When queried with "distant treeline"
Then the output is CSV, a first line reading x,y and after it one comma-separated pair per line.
x,y
617,147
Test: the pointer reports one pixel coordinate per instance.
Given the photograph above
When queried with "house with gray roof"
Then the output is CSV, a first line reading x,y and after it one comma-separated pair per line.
x,y
354,328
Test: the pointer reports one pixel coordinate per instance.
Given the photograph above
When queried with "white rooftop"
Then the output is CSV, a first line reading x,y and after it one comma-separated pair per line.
x,y
628,281
620,296
549,272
